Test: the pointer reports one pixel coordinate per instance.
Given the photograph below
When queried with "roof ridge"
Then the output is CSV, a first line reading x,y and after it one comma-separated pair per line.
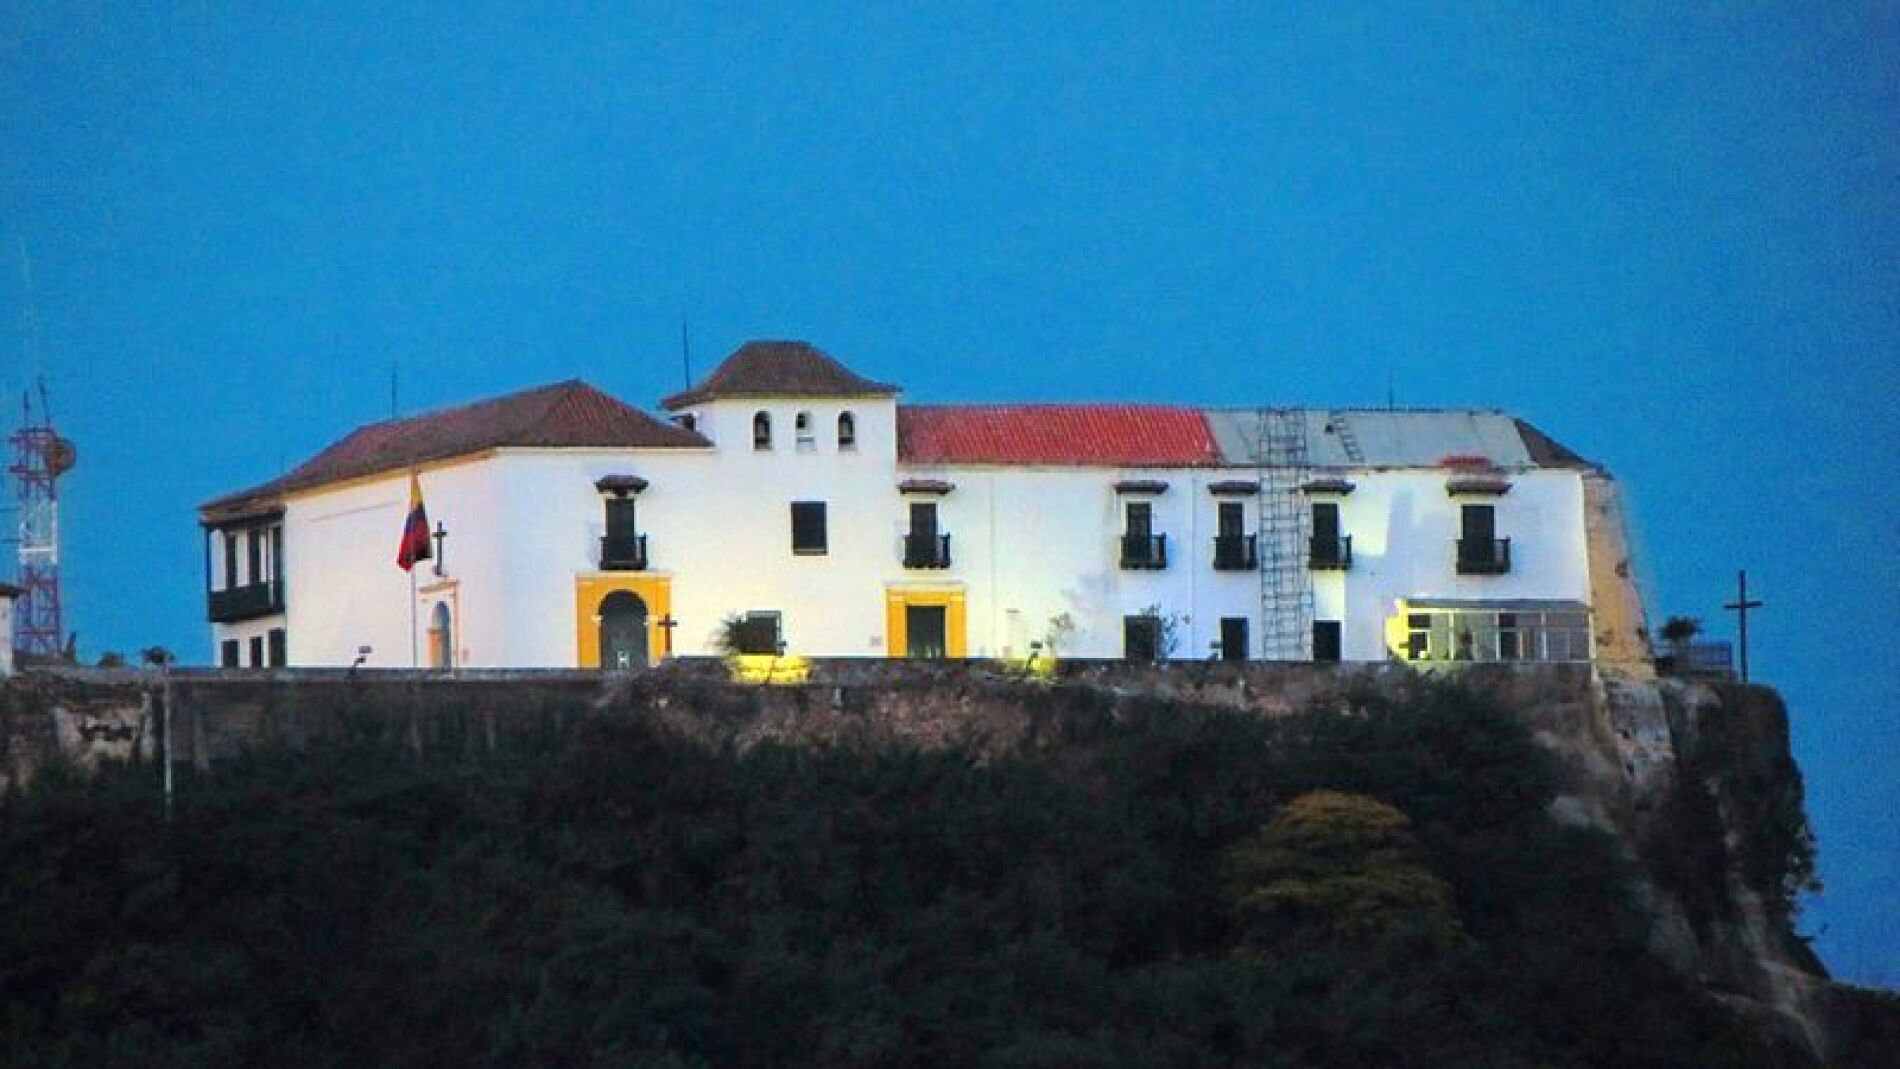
x,y
496,400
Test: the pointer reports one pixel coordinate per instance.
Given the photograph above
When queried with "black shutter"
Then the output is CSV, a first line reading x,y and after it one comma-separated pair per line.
x,y
1141,519
1233,638
1232,520
228,653
923,520
808,527
279,654
1325,523
1480,524
230,559
1326,640
1141,638
620,518
257,651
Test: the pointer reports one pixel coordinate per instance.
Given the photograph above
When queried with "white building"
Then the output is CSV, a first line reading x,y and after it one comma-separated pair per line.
x,y
8,594
790,494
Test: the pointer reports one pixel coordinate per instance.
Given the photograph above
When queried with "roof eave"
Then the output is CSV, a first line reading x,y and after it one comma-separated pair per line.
x,y
688,398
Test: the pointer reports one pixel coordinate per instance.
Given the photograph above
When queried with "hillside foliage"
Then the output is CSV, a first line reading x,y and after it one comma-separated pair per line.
x,y
1162,887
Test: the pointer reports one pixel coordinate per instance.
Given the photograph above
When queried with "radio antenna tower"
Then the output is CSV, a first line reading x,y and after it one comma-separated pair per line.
x,y
40,457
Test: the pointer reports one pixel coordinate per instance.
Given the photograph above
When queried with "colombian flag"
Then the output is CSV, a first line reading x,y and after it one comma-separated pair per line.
x,y
415,529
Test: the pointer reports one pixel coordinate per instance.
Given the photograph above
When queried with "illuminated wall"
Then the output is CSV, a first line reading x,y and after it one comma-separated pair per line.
x,y
1027,544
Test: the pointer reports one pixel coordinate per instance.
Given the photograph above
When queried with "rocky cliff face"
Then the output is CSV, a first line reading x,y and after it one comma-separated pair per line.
x,y
1699,787
1695,783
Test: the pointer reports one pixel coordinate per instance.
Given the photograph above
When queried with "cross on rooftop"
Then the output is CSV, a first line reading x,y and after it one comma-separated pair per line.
x,y
1740,607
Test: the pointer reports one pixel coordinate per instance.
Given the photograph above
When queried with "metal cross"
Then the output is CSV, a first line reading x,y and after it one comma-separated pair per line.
x,y
441,533
1740,607
666,624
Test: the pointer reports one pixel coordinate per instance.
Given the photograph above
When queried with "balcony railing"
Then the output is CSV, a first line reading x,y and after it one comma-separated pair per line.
x,y
245,602
623,553
1144,551
926,551
1330,554
1484,556
1235,553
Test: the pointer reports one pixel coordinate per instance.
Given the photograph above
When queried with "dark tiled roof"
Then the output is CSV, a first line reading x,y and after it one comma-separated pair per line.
x,y
779,369
1103,436
1546,451
566,414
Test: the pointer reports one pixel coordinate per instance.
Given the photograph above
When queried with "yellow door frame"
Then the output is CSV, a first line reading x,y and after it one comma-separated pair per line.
x,y
589,590
956,637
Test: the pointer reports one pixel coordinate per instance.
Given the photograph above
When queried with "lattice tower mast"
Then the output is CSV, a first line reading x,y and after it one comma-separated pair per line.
x,y
1286,582
40,457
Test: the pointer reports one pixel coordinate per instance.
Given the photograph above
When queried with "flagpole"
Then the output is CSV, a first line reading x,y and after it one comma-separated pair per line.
x,y
415,652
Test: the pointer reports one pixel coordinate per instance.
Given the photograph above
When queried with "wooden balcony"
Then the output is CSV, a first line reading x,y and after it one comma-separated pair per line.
x,y
245,602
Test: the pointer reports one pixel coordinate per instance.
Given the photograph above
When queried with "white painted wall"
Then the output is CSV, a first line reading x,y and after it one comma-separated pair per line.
x,y
6,634
1404,527
728,532
1027,544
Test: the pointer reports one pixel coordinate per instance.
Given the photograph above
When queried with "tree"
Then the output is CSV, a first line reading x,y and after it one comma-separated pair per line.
x,y
1343,866
1679,631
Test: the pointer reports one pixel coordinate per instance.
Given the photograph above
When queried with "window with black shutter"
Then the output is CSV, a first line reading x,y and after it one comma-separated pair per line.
x,y
1480,523
279,652
1233,638
254,554
1326,641
228,653
1141,638
621,518
761,430
847,431
1141,519
257,651
808,528
1233,519
230,560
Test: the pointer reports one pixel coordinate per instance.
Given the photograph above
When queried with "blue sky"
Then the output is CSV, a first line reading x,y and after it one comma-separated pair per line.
x,y
1667,234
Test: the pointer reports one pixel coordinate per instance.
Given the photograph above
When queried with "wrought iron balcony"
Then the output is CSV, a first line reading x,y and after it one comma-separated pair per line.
x,y
926,551
623,553
1484,556
1235,553
1330,554
1145,551
245,602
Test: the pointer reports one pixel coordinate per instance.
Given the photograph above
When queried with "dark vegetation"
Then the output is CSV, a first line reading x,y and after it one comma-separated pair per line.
x,y
1157,889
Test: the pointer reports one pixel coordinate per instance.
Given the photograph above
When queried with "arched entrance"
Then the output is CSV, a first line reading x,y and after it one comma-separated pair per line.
x,y
623,631
441,637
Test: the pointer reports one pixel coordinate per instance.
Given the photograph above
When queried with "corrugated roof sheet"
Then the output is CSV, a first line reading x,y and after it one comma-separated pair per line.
x,y
779,369
566,414
1400,438
1080,435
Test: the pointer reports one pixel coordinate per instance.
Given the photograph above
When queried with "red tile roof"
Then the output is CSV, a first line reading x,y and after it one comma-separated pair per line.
x,y
779,369
566,414
1102,436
